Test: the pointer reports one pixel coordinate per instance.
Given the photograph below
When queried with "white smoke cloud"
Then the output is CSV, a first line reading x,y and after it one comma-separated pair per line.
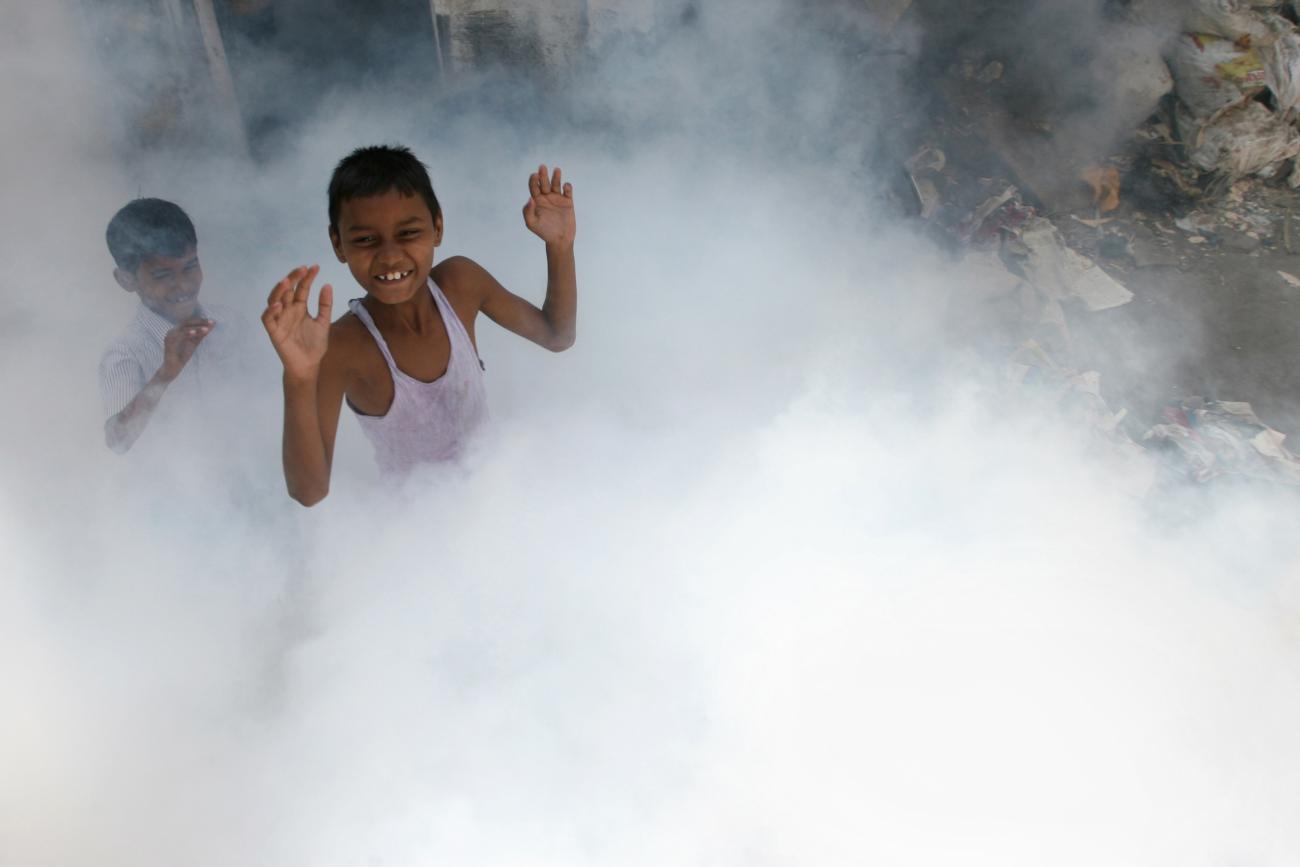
x,y
760,572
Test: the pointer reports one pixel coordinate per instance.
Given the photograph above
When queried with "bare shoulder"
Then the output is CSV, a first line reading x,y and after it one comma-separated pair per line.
x,y
346,328
461,277
348,342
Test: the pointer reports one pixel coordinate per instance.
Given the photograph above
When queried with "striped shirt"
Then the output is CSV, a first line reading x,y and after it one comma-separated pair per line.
x,y
133,359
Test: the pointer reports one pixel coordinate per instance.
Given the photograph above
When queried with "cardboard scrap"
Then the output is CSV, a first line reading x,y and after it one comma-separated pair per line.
x,y
1063,273
1104,181
1217,438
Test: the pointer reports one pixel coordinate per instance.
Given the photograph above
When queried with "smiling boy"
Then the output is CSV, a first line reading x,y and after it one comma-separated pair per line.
x,y
404,356
155,249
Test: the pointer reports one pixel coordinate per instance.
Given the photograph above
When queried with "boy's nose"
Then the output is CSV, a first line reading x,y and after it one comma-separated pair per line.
x,y
390,252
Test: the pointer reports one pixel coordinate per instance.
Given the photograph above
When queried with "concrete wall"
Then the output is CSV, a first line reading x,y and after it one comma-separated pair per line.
x,y
548,35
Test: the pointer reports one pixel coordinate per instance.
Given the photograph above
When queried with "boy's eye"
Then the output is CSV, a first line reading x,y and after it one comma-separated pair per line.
x,y
409,233
192,266
161,275
363,239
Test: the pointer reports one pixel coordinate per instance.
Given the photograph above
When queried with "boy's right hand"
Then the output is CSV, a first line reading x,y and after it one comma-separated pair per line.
x,y
179,344
300,340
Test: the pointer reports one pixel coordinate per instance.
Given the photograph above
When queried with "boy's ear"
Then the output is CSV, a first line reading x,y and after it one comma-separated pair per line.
x,y
336,244
125,279
437,230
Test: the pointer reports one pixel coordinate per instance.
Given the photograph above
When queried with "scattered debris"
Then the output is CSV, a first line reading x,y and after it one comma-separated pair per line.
x,y
1245,139
1231,54
1212,73
1077,396
926,162
1104,181
1197,223
972,229
1047,214
1208,439
1061,272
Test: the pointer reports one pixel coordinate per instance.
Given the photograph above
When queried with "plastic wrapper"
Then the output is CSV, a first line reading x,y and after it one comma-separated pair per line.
x,y
1240,21
1213,72
1245,140
1282,69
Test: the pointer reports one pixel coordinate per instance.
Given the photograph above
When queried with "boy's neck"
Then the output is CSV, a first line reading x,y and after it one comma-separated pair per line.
x,y
416,314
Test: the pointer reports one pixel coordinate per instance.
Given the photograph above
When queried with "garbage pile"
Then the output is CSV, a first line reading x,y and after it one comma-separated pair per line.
x,y
1236,69
1046,221
1209,439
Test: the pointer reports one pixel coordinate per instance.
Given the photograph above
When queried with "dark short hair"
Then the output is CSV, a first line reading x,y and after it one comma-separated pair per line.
x,y
375,170
145,228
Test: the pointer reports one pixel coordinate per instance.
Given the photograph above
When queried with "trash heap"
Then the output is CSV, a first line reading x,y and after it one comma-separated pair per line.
x,y
1236,70
1032,207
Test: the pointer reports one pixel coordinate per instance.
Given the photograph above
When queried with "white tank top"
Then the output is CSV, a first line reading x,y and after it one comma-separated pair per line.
x,y
427,421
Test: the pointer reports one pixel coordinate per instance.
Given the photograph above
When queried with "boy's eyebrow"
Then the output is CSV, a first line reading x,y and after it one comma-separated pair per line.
x,y
362,227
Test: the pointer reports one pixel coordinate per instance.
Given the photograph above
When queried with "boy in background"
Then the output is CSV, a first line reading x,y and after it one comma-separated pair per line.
x,y
173,344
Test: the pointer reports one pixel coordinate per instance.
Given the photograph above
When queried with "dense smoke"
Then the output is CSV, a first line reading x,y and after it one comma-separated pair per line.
x,y
763,571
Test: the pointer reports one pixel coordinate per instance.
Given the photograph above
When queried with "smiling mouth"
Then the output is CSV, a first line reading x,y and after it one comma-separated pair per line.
x,y
394,276
181,299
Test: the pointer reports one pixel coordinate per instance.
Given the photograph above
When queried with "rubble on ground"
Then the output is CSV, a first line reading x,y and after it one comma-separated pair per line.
x,y
1209,439
1052,220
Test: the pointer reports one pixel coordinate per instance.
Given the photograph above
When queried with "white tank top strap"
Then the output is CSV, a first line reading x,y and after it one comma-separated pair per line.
x,y
359,310
455,328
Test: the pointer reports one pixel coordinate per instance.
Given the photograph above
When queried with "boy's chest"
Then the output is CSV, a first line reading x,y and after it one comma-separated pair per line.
x,y
424,358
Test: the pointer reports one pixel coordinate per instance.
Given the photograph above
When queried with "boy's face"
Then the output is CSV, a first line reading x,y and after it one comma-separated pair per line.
x,y
387,242
168,286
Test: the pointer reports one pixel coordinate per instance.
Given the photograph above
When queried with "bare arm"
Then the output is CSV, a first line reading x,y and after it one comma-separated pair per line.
x,y
311,419
123,429
549,214
313,386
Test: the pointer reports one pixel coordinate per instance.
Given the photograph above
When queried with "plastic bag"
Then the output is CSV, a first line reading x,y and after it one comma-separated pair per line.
x,y
1237,21
1247,140
1282,67
1212,72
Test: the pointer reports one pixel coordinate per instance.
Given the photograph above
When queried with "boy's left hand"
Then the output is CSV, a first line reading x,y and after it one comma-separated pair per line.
x,y
548,213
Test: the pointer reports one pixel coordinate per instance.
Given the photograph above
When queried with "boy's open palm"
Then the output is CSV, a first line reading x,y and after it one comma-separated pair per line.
x,y
548,213
180,342
299,339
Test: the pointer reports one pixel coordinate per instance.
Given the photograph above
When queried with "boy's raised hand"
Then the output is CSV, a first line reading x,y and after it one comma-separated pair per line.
x,y
180,342
300,340
548,213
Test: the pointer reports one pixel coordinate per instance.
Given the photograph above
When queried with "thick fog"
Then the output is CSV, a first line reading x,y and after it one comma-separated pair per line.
x,y
766,570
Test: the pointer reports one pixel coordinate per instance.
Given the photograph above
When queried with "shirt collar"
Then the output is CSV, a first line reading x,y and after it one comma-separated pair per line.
x,y
156,325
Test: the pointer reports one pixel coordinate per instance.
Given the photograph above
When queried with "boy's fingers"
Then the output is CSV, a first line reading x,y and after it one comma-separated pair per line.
x,y
556,186
284,284
568,191
543,179
325,304
534,185
303,292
